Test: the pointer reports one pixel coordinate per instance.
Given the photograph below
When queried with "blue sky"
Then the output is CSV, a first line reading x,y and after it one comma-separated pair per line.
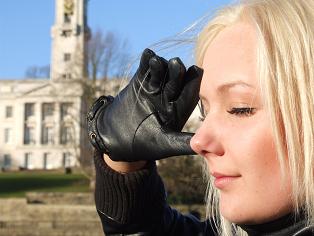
x,y
25,26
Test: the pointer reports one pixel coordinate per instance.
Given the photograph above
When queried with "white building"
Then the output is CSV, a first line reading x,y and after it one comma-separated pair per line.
x,y
41,119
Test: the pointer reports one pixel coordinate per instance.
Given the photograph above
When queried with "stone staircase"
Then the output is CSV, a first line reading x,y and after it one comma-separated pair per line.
x,y
20,218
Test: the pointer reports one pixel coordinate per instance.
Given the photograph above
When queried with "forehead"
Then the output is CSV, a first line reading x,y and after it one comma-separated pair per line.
x,y
231,56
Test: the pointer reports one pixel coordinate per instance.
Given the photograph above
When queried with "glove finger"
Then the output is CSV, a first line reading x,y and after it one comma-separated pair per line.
x,y
176,71
144,62
158,69
178,143
189,96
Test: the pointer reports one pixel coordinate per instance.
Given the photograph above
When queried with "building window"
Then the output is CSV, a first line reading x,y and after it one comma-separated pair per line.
x,y
45,160
67,18
47,135
65,110
7,161
67,76
7,135
29,110
48,109
29,135
66,33
8,111
67,57
66,159
66,135
27,160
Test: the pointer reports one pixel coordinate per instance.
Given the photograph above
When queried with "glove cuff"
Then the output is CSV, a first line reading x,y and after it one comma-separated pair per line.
x,y
92,117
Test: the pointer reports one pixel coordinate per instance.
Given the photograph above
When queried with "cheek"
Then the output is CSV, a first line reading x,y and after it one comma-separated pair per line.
x,y
261,193
252,148
260,157
254,153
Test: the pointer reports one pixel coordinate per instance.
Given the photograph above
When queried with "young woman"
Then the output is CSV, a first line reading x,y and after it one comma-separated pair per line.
x,y
257,134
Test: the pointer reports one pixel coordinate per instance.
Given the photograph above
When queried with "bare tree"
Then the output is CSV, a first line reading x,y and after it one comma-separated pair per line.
x,y
38,72
107,55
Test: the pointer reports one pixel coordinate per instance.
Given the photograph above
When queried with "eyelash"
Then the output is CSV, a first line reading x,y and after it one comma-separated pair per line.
x,y
243,111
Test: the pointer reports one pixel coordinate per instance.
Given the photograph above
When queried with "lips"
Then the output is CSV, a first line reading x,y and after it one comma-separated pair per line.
x,y
222,181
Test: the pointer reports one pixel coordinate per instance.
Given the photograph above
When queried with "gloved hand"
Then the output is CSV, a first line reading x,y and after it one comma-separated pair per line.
x,y
143,122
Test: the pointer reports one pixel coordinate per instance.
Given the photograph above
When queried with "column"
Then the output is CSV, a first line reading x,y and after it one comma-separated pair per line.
x,y
38,124
19,119
57,116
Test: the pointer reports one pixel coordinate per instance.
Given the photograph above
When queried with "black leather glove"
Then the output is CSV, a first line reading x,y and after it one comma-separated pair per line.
x,y
143,122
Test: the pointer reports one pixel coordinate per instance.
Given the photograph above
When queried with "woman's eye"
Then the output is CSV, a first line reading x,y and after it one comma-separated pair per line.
x,y
238,111
243,111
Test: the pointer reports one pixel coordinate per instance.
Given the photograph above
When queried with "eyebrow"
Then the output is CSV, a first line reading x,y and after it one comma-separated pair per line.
x,y
229,85
223,87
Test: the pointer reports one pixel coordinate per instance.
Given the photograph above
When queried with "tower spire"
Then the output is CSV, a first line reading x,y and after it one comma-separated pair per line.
x,y
69,38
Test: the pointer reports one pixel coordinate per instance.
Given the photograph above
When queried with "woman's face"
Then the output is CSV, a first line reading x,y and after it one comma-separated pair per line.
x,y
235,137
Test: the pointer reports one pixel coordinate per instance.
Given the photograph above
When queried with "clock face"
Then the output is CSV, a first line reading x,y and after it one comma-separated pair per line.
x,y
68,7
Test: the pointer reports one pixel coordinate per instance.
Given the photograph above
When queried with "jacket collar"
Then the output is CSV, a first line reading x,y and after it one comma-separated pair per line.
x,y
287,225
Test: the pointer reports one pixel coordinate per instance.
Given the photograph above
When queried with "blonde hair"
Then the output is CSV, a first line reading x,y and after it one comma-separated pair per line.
x,y
285,59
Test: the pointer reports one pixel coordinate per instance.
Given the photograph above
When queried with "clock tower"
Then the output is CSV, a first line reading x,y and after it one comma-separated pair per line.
x,y
69,37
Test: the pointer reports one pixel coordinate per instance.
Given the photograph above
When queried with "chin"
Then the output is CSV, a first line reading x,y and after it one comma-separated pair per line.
x,y
240,219
237,215
236,218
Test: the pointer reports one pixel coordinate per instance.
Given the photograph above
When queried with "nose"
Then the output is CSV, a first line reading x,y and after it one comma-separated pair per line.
x,y
207,139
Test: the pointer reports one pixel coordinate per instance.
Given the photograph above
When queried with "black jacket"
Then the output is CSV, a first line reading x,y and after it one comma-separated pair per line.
x,y
136,203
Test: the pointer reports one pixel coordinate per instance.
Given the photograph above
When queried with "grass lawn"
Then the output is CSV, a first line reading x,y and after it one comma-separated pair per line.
x,y
16,184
